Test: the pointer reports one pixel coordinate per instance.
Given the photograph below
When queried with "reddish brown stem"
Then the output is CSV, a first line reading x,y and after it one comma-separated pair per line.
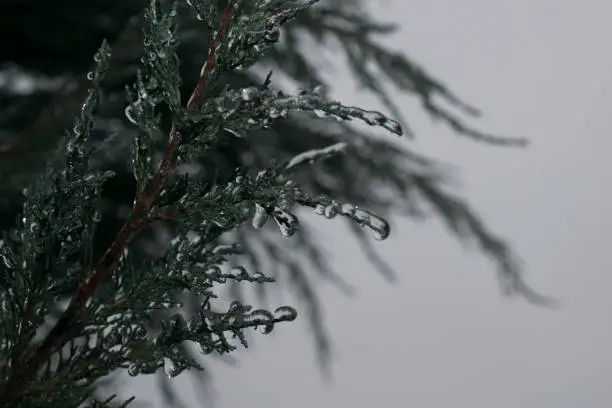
x,y
210,61
23,373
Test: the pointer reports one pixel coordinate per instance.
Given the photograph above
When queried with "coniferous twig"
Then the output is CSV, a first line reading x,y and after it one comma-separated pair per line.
x,y
63,202
131,226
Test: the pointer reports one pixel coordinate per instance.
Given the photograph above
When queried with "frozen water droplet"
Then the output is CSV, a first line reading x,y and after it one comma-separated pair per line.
x,y
239,272
331,210
207,347
272,35
232,321
249,93
77,129
235,306
234,132
287,222
213,272
133,370
7,262
261,278
362,216
285,202
140,332
380,227
25,192
348,208
319,209
170,368
260,217
267,328
97,216
274,113
70,146
264,318
285,313
375,118
394,127
129,114
261,175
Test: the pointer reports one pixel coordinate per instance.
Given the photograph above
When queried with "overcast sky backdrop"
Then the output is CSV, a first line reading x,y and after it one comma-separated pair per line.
x,y
444,336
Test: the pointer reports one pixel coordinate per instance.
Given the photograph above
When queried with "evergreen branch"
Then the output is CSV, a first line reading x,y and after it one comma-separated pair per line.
x,y
19,378
120,340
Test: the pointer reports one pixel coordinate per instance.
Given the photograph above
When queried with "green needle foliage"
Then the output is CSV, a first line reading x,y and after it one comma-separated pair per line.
x,y
107,234
103,328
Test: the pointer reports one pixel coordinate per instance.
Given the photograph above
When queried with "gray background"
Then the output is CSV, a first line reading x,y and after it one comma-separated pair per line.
x,y
444,336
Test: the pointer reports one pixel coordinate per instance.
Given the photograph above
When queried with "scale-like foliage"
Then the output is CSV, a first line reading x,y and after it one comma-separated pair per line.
x,y
32,123
48,254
